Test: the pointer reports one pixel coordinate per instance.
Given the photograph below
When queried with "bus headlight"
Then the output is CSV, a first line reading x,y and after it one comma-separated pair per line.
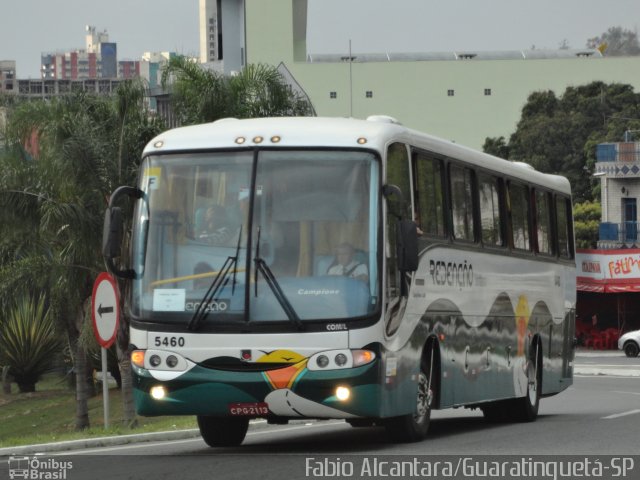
x,y
340,359
322,361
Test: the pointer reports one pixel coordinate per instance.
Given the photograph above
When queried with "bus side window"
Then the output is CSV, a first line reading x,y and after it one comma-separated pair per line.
x,y
563,227
429,195
518,205
543,223
461,183
491,223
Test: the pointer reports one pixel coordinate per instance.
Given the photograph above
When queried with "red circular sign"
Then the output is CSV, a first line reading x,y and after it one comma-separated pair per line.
x,y
105,309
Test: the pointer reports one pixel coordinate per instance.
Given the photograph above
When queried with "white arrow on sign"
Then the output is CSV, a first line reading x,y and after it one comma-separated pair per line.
x,y
105,310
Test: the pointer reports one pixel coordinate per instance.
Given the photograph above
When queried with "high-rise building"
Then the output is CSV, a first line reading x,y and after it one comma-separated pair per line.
x,y
218,17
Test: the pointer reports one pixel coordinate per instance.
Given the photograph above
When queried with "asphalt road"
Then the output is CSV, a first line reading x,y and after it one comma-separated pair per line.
x,y
598,416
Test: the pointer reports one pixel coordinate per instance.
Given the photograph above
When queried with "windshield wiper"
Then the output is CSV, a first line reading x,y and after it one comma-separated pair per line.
x,y
219,281
268,275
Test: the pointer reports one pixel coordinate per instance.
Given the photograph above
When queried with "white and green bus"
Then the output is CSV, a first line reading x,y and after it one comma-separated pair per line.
x,y
287,268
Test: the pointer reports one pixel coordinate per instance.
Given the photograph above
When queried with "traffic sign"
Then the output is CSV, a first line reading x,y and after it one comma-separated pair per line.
x,y
105,309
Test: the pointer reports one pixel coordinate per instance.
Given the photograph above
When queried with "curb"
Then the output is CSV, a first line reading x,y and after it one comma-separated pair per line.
x,y
113,441
99,442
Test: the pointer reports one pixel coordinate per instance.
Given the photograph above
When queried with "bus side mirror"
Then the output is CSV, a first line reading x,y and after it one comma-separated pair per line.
x,y
113,231
407,245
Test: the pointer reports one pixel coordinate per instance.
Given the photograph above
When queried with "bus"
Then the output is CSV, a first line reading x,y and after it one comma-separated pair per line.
x,y
334,268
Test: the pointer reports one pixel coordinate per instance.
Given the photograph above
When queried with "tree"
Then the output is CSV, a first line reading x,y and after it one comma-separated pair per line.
x,y
586,224
88,146
496,146
558,134
616,42
200,95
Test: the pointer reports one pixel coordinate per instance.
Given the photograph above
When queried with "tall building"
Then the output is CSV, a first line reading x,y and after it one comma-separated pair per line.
x,y
222,35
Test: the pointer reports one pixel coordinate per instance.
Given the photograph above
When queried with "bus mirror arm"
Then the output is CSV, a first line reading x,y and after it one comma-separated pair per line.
x,y
113,231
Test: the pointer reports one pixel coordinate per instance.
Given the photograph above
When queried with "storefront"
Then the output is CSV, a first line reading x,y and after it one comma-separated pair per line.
x,y
608,284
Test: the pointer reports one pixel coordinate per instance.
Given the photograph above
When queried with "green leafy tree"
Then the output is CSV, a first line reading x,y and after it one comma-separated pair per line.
x,y
28,341
616,42
88,146
586,222
200,95
558,134
496,146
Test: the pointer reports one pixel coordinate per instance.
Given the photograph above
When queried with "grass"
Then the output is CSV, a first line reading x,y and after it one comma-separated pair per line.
x,y
48,415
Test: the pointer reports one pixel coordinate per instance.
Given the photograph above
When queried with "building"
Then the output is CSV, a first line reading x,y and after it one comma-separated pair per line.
x,y
7,75
222,35
461,96
39,88
99,59
128,69
618,167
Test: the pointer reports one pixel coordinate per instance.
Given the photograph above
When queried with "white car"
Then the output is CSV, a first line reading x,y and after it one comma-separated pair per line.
x,y
630,343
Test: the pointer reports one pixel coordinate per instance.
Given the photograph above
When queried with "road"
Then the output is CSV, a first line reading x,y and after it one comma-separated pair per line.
x,y
598,416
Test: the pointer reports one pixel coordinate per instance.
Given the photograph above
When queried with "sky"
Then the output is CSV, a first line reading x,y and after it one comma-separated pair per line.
x,y
30,27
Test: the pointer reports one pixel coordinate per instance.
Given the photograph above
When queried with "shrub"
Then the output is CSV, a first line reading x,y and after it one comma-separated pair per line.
x,y
28,341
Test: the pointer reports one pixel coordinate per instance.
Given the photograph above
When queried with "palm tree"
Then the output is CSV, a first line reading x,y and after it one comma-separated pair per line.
x,y
86,144
200,95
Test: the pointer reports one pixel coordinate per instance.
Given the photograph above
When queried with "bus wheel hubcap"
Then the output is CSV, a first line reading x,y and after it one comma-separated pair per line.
x,y
425,395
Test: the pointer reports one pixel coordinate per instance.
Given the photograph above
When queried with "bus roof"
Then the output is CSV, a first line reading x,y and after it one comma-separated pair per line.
x,y
325,132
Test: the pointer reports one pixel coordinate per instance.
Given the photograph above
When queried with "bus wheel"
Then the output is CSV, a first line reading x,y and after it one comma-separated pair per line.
x,y
361,422
525,409
414,427
223,431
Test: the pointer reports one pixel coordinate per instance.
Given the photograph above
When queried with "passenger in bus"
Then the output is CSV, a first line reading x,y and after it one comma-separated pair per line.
x,y
215,228
347,265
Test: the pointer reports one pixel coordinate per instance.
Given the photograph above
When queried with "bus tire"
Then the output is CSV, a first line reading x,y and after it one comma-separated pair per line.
x,y
495,412
525,409
414,427
361,422
223,431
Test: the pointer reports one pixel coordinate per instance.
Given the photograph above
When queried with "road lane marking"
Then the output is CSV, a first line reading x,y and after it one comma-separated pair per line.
x,y
630,393
623,414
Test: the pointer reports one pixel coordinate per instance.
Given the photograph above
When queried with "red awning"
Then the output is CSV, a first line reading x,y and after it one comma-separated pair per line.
x,y
586,284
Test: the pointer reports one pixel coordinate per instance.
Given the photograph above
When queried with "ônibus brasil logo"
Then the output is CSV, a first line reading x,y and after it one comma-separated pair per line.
x,y
36,468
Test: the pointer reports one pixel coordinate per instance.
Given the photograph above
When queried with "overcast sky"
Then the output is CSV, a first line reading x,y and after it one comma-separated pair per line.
x,y
29,27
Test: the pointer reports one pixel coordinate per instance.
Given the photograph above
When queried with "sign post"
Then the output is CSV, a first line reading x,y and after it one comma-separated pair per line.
x,y
105,314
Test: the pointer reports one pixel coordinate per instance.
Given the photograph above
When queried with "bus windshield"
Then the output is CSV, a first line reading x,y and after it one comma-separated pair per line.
x,y
251,237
